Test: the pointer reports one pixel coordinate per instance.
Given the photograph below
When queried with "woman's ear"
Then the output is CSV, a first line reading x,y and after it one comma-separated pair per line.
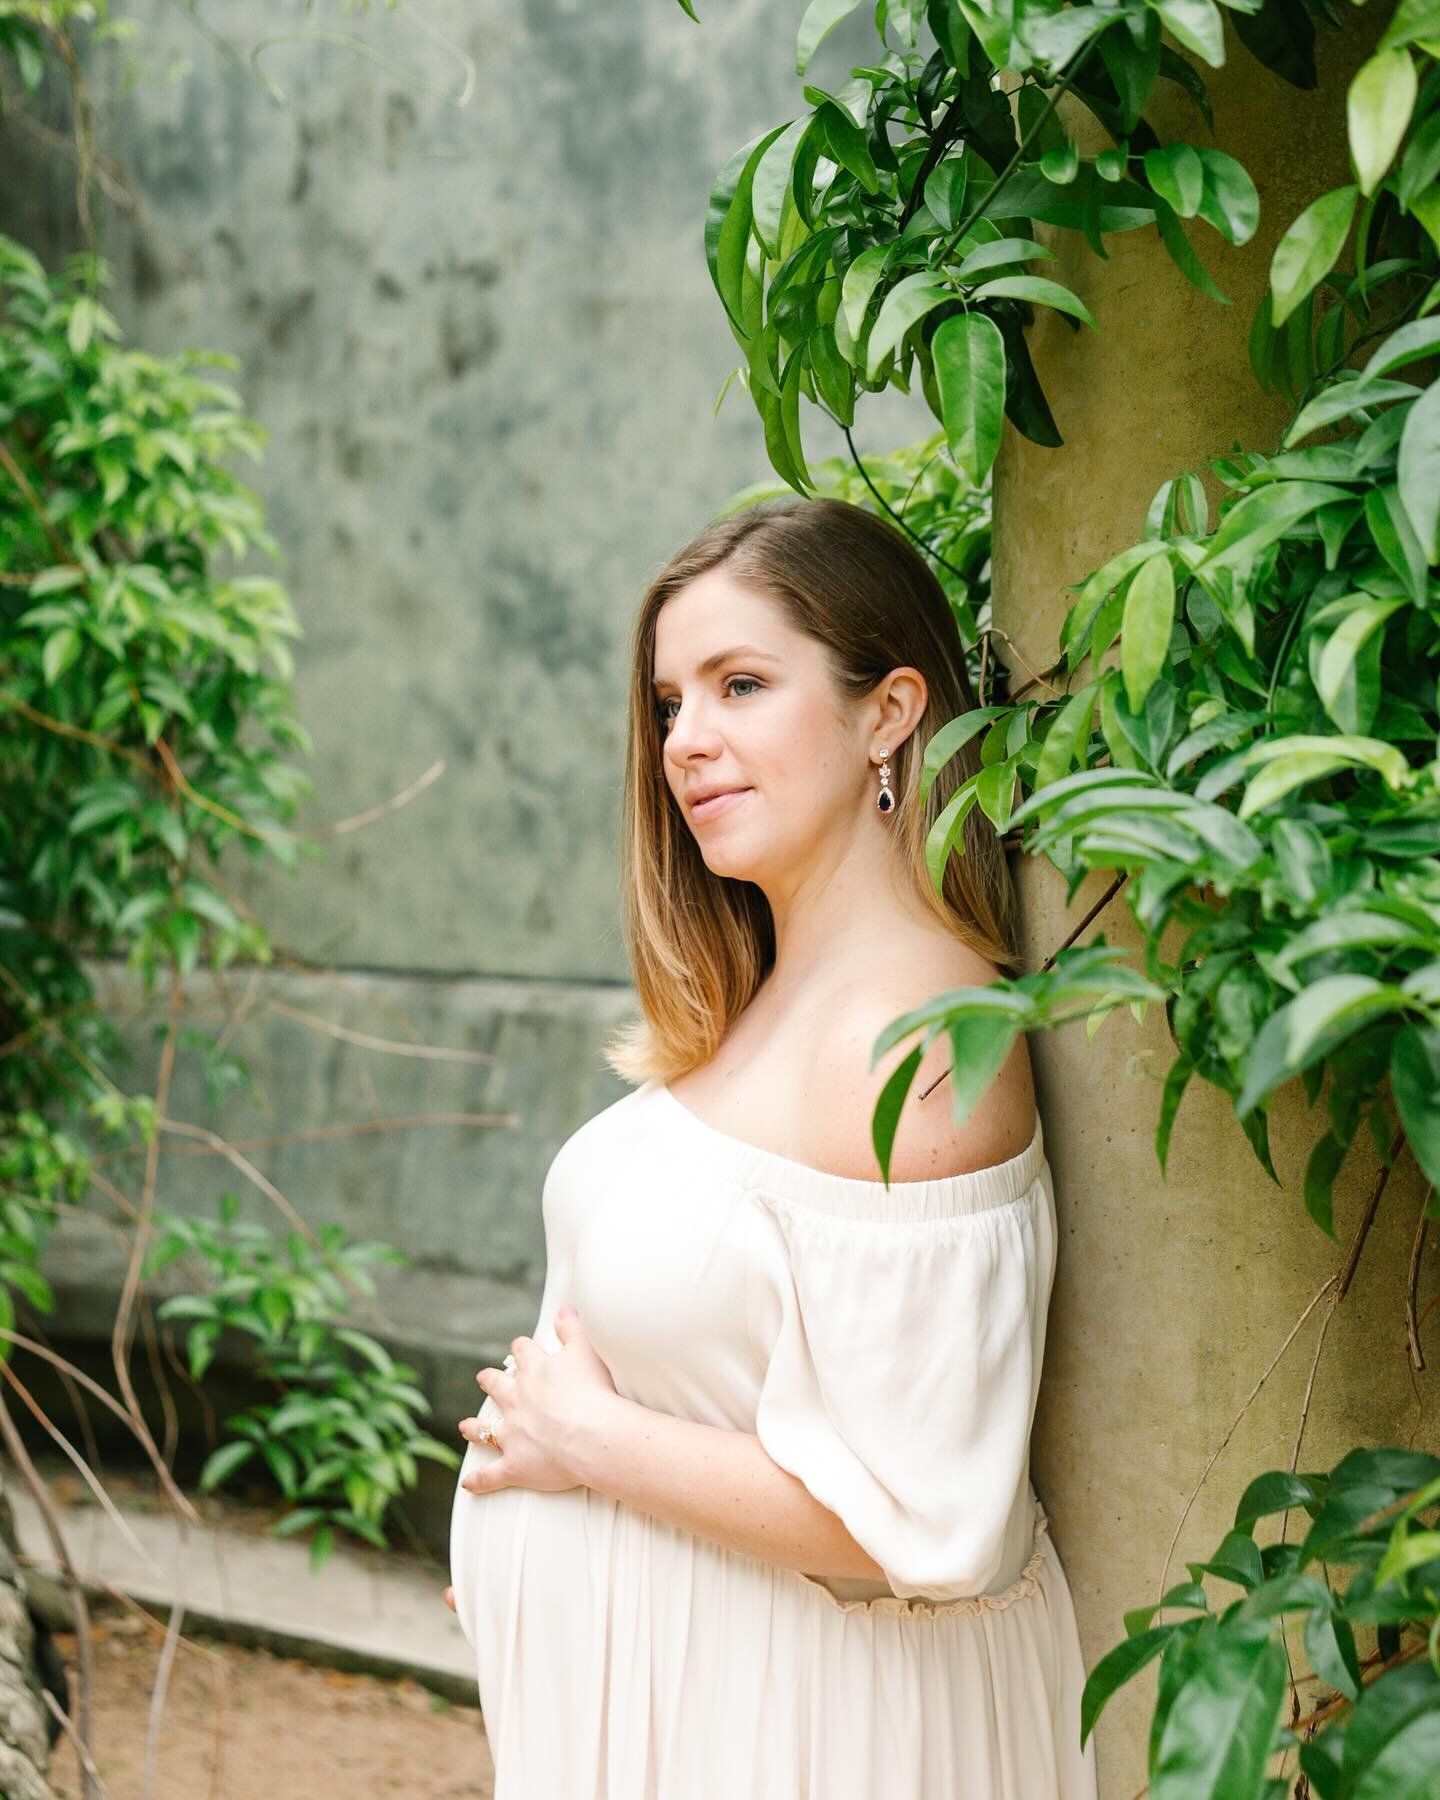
x,y
903,695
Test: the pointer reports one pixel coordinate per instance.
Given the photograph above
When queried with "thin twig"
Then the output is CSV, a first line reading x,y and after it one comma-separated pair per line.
x,y
1233,1427
67,1725
364,1040
176,1498
315,1134
22,481
165,1666
403,798
87,1474
1004,636
120,1335
1093,914
1342,1286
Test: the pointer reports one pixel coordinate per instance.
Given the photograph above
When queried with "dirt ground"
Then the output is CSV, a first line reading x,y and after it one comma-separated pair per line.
x,y
248,1725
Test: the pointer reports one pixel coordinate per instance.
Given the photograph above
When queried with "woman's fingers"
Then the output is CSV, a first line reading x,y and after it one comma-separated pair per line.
x,y
450,1598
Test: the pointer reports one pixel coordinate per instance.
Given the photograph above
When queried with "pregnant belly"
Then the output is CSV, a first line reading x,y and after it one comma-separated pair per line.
x,y
521,1562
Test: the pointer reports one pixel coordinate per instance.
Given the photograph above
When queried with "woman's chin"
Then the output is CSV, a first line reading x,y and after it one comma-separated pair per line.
x,y
731,861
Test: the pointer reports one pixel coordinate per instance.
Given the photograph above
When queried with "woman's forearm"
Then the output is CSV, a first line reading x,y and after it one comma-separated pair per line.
x,y
718,1484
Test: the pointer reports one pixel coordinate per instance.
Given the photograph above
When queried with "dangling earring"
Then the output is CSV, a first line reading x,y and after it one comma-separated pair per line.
x,y
885,799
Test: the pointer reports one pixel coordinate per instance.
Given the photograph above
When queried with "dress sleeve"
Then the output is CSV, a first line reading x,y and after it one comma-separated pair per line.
x,y
901,1385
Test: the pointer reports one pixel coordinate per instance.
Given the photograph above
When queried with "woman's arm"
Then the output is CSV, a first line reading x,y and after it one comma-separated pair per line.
x,y
715,1483
566,1426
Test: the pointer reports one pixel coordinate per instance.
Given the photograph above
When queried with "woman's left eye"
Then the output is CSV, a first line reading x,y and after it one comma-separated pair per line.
x,y
731,680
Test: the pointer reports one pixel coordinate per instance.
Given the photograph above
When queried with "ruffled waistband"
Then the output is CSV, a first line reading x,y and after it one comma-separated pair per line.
x,y
1025,1583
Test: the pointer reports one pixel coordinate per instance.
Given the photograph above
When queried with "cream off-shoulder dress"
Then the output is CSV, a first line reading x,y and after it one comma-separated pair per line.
x,y
885,1345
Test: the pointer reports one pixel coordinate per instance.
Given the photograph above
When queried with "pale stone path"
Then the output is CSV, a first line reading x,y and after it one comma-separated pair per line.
x,y
364,1609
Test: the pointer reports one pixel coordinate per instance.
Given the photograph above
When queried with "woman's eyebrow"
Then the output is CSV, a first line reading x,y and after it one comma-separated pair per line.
x,y
720,656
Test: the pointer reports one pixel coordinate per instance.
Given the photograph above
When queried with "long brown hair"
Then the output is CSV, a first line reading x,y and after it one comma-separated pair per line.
x,y
700,944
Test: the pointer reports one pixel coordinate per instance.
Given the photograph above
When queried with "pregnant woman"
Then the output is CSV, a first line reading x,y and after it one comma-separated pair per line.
x,y
749,1517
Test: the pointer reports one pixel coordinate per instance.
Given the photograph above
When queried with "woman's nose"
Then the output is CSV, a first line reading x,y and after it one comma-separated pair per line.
x,y
691,731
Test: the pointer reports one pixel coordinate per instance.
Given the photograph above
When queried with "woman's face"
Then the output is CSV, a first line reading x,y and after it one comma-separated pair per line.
x,y
749,709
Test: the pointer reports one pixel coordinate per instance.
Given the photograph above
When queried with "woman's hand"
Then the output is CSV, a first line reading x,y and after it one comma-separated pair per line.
x,y
550,1400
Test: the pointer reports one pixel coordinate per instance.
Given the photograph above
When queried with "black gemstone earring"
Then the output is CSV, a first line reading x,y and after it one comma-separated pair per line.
x,y
885,799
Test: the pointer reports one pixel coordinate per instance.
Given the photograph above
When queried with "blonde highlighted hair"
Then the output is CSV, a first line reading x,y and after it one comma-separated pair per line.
x,y
700,944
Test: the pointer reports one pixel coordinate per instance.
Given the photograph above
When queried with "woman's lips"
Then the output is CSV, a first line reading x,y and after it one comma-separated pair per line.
x,y
712,809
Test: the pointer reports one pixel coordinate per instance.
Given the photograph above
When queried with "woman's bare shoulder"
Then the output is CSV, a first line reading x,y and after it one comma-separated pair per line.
x,y
928,1143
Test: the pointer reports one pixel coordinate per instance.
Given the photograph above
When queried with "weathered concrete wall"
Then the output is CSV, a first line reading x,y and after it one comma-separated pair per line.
x,y
374,1139
1174,1294
484,343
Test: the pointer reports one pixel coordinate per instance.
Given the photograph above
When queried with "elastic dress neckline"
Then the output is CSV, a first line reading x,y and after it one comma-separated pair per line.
x,y
871,1201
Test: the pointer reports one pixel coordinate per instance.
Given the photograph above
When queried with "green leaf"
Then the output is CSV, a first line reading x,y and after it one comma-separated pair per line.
x,y
979,1045
1421,338
1309,1027
1395,538
1114,1669
1294,760
1145,628
995,790
1264,515
1310,249
886,1117
31,1283
999,253
1177,174
771,185
1419,471
945,189
1275,1491
1182,253
728,220
1195,24
225,1461
847,145
1067,738
1228,200
373,1352
945,836
1330,1643
1037,289
1413,20
1344,645
84,315
1378,108
969,358
1217,1733
61,649
821,18
1415,1083
1392,1739
908,301
1342,397
861,279
951,738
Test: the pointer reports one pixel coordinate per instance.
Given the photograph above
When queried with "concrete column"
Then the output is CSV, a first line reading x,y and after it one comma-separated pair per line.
x,y
1174,1294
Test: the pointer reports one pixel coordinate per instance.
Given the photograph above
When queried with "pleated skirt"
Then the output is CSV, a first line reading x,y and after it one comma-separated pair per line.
x,y
619,1658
